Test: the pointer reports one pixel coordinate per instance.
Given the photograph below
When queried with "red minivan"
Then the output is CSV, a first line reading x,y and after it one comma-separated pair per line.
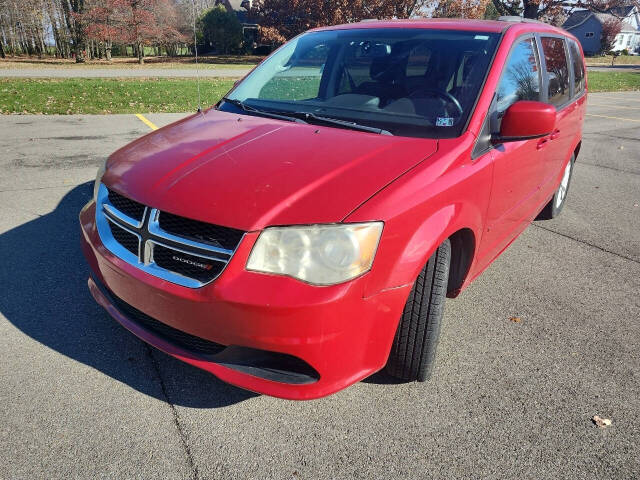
x,y
304,232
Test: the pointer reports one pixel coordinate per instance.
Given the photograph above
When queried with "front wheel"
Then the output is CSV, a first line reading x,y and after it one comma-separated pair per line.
x,y
555,205
413,351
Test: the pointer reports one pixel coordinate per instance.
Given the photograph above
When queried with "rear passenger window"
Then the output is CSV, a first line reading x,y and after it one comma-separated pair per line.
x,y
578,68
521,78
557,70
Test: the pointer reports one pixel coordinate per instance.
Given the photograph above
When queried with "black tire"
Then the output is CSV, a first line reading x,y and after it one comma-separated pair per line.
x,y
413,352
553,209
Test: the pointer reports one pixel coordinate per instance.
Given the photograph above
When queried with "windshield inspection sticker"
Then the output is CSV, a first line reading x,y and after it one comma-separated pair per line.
x,y
444,122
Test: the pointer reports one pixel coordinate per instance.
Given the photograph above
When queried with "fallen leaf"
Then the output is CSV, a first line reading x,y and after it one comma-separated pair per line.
x,y
601,422
515,319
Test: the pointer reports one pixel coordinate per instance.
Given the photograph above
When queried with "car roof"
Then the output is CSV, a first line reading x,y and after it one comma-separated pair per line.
x,y
491,26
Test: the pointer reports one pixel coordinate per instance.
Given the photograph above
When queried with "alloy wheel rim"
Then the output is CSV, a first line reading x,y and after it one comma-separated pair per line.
x,y
564,185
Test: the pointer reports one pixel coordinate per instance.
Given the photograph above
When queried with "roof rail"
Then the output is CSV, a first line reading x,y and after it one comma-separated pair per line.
x,y
366,20
515,18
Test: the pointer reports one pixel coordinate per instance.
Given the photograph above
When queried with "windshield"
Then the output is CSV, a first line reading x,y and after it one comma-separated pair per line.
x,y
409,82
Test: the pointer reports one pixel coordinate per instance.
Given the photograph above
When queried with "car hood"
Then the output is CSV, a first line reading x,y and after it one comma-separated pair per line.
x,y
249,172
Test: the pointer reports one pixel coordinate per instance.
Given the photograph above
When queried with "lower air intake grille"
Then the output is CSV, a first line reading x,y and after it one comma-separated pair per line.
x,y
177,337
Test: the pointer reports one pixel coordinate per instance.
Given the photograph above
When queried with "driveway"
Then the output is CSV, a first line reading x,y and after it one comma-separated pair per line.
x,y
615,68
83,398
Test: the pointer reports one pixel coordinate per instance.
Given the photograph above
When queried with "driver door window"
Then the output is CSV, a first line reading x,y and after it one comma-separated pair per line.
x,y
521,77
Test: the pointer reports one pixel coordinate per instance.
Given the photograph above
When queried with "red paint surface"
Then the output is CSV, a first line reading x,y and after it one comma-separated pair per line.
x,y
528,119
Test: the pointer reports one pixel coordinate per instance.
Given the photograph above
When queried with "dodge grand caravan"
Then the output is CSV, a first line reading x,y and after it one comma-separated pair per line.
x,y
304,232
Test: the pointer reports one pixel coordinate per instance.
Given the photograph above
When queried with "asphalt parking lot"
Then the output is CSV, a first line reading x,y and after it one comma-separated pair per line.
x,y
82,398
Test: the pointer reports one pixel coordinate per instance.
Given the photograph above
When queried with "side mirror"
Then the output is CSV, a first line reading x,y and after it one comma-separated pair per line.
x,y
525,120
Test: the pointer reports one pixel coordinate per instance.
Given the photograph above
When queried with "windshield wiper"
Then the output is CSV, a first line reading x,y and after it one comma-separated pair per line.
x,y
342,123
304,117
264,113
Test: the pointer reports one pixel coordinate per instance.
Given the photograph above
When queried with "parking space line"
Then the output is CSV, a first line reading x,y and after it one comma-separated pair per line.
x,y
148,123
613,118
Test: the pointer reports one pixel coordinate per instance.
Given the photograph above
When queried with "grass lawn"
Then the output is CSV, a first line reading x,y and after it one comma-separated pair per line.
x,y
620,60
613,81
96,95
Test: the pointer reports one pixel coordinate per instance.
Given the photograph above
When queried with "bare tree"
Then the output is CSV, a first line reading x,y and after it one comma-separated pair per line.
x,y
73,10
461,8
548,9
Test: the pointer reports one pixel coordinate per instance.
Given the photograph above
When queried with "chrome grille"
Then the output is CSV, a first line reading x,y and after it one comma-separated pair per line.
x,y
185,264
189,252
200,232
126,238
127,206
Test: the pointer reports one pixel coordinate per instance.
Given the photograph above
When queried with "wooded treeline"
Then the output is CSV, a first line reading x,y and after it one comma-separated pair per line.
x,y
86,29
282,19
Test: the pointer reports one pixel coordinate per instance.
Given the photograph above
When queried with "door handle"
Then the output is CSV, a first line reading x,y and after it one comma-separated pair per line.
x,y
542,143
555,134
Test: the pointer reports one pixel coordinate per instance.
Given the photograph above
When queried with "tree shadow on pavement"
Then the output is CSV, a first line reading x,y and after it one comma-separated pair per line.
x,y
45,295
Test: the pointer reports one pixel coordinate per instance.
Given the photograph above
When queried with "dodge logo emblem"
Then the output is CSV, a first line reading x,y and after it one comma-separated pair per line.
x,y
203,266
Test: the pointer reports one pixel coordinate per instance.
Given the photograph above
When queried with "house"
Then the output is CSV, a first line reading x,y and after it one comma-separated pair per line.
x,y
631,16
587,27
241,9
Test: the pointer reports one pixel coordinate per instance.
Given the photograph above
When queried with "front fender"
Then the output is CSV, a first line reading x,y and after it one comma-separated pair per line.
x,y
421,210
400,259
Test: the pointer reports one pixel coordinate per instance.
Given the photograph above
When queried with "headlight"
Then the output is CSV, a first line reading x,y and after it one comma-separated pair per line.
x,y
317,254
99,175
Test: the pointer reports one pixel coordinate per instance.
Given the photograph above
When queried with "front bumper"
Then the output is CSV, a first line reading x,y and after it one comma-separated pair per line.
x,y
341,335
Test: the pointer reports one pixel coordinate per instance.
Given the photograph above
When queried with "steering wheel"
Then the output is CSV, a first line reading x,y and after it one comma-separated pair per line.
x,y
439,93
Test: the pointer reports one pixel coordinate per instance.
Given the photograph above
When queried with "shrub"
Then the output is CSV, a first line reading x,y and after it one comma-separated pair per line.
x,y
222,30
